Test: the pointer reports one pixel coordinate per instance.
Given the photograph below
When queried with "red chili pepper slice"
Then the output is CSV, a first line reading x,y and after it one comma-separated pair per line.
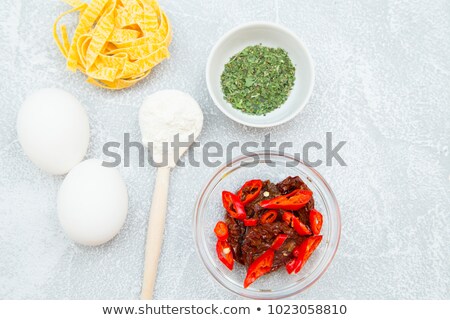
x,y
259,267
279,240
315,221
300,227
311,245
269,217
294,222
221,231
293,264
249,191
295,200
233,205
250,222
225,254
302,253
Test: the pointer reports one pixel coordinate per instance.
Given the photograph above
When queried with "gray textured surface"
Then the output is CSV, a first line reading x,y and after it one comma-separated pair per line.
x,y
382,84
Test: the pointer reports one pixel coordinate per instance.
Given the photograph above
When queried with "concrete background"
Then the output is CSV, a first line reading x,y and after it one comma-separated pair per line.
x,y
382,85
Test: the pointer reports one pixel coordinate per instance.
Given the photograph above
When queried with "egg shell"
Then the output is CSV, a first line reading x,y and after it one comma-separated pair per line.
x,y
92,203
53,129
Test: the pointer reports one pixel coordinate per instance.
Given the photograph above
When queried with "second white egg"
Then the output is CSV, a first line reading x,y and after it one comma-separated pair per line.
x,y
92,203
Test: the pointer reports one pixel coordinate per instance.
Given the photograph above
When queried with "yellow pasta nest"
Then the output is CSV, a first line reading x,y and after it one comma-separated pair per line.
x,y
116,42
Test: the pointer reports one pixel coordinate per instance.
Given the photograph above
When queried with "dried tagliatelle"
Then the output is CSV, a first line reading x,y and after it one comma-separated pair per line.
x,y
116,42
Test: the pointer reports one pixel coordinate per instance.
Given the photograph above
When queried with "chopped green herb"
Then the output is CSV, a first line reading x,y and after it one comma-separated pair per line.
x,y
258,79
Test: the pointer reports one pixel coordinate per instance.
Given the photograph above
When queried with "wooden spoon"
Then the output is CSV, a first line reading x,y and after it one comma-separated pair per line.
x,y
163,115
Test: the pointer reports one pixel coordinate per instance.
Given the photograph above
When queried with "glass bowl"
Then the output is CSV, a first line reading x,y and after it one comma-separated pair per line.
x,y
275,167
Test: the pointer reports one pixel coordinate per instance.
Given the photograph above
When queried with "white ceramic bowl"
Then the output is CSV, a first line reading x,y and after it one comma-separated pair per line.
x,y
271,35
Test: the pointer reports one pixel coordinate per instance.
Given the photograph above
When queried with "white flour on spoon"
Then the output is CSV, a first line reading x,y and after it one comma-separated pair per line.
x,y
165,114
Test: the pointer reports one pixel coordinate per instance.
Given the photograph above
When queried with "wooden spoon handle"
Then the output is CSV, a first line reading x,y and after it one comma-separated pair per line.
x,y
155,231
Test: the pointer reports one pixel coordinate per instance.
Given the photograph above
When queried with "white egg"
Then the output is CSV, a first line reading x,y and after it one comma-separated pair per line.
x,y
92,203
53,129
